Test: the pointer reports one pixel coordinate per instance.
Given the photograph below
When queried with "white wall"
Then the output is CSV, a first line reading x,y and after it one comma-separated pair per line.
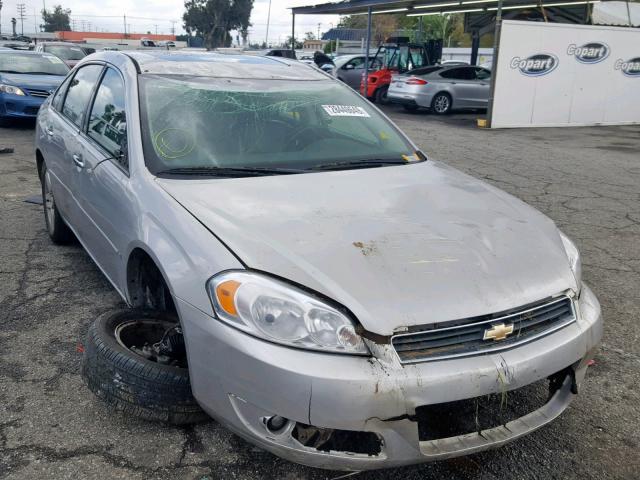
x,y
559,89
464,54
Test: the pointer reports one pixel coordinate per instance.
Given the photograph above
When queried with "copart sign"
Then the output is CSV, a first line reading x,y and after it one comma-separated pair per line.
x,y
593,52
631,68
535,65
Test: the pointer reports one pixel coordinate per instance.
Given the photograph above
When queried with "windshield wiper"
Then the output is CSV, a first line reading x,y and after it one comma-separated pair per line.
x,y
228,171
369,163
10,71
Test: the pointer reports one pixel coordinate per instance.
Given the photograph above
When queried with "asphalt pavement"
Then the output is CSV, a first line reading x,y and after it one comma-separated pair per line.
x,y
51,426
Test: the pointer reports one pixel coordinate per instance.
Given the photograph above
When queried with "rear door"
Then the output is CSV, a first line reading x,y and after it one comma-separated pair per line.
x,y
53,147
103,183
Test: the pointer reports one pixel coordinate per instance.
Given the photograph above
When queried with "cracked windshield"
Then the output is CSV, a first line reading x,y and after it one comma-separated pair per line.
x,y
223,123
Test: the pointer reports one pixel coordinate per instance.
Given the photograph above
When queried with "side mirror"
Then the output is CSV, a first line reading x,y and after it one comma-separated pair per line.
x,y
349,66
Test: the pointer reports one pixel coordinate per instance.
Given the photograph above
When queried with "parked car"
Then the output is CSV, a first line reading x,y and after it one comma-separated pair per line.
x,y
70,53
442,89
26,80
16,45
341,297
350,68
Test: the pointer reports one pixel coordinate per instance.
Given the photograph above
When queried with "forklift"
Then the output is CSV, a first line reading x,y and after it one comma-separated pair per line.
x,y
398,55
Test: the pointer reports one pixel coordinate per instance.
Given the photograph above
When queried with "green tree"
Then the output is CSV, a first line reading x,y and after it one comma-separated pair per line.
x,y
287,44
214,19
58,20
329,47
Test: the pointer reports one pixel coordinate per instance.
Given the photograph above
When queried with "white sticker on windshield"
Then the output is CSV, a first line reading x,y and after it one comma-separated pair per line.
x,y
53,59
345,111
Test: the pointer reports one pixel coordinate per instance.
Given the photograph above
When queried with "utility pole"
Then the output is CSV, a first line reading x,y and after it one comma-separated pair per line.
x,y
156,25
318,37
0,17
125,25
266,37
21,14
173,27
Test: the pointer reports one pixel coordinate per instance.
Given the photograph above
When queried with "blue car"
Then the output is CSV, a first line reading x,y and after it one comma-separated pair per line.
x,y
26,80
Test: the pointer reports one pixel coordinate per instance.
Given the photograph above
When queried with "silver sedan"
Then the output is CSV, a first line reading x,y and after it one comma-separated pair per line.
x,y
442,88
340,295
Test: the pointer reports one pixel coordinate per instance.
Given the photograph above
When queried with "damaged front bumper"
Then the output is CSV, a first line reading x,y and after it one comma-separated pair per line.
x,y
356,413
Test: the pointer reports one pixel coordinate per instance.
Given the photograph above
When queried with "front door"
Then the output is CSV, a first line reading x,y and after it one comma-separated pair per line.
x,y
103,183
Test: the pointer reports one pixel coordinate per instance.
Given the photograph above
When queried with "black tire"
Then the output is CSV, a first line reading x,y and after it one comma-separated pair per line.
x,y
410,108
130,383
381,95
441,104
58,231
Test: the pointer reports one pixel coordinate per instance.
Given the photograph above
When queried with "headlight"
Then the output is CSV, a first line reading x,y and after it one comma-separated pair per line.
x,y
278,312
11,89
574,258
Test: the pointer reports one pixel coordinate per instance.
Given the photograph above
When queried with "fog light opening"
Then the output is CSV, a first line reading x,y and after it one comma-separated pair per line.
x,y
276,423
344,441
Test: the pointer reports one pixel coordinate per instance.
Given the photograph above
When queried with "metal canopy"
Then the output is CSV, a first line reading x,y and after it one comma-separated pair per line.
x,y
427,7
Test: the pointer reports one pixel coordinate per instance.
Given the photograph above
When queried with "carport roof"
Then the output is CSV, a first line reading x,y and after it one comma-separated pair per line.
x,y
426,7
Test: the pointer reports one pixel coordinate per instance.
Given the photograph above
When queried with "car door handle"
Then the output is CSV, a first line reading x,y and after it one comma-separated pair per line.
x,y
77,159
49,131
453,83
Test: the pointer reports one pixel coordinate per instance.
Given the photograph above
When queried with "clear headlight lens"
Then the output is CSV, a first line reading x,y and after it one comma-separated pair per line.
x,y
276,311
574,258
11,89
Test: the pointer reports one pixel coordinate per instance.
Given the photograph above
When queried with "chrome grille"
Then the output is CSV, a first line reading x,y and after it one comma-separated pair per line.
x,y
38,93
468,337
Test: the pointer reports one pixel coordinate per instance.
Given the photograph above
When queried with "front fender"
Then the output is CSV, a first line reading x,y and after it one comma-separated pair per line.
x,y
186,253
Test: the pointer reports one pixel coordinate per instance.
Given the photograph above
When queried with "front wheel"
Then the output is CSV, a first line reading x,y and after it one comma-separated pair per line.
x,y
58,231
381,95
135,360
441,104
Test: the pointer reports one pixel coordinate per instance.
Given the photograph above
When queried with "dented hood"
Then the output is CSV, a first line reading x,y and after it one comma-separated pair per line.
x,y
399,246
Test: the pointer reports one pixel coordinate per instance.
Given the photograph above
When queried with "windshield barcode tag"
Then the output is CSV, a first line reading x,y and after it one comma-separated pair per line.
x,y
345,111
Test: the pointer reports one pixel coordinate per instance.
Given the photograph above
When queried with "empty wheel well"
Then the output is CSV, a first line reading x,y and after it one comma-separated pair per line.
x,y
146,286
39,163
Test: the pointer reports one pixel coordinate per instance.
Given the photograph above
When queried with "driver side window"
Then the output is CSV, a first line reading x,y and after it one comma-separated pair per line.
x,y
107,120
483,74
356,63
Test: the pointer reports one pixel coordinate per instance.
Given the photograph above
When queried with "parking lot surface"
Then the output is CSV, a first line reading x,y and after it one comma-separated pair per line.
x,y
51,426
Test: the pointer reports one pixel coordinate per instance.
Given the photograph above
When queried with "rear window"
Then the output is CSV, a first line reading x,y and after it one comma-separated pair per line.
x,y
29,63
66,52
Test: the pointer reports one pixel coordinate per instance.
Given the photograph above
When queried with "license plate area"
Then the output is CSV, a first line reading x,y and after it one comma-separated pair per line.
x,y
452,419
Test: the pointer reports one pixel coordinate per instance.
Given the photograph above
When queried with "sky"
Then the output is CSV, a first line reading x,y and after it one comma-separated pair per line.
x,y
149,15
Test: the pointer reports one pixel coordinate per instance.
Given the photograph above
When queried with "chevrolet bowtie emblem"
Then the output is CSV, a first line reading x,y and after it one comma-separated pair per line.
x,y
499,331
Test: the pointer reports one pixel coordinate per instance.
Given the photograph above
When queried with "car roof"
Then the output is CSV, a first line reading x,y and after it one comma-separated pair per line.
x,y
209,64
25,52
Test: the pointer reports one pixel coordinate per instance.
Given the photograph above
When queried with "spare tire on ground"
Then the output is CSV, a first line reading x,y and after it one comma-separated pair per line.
x,y
135,361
